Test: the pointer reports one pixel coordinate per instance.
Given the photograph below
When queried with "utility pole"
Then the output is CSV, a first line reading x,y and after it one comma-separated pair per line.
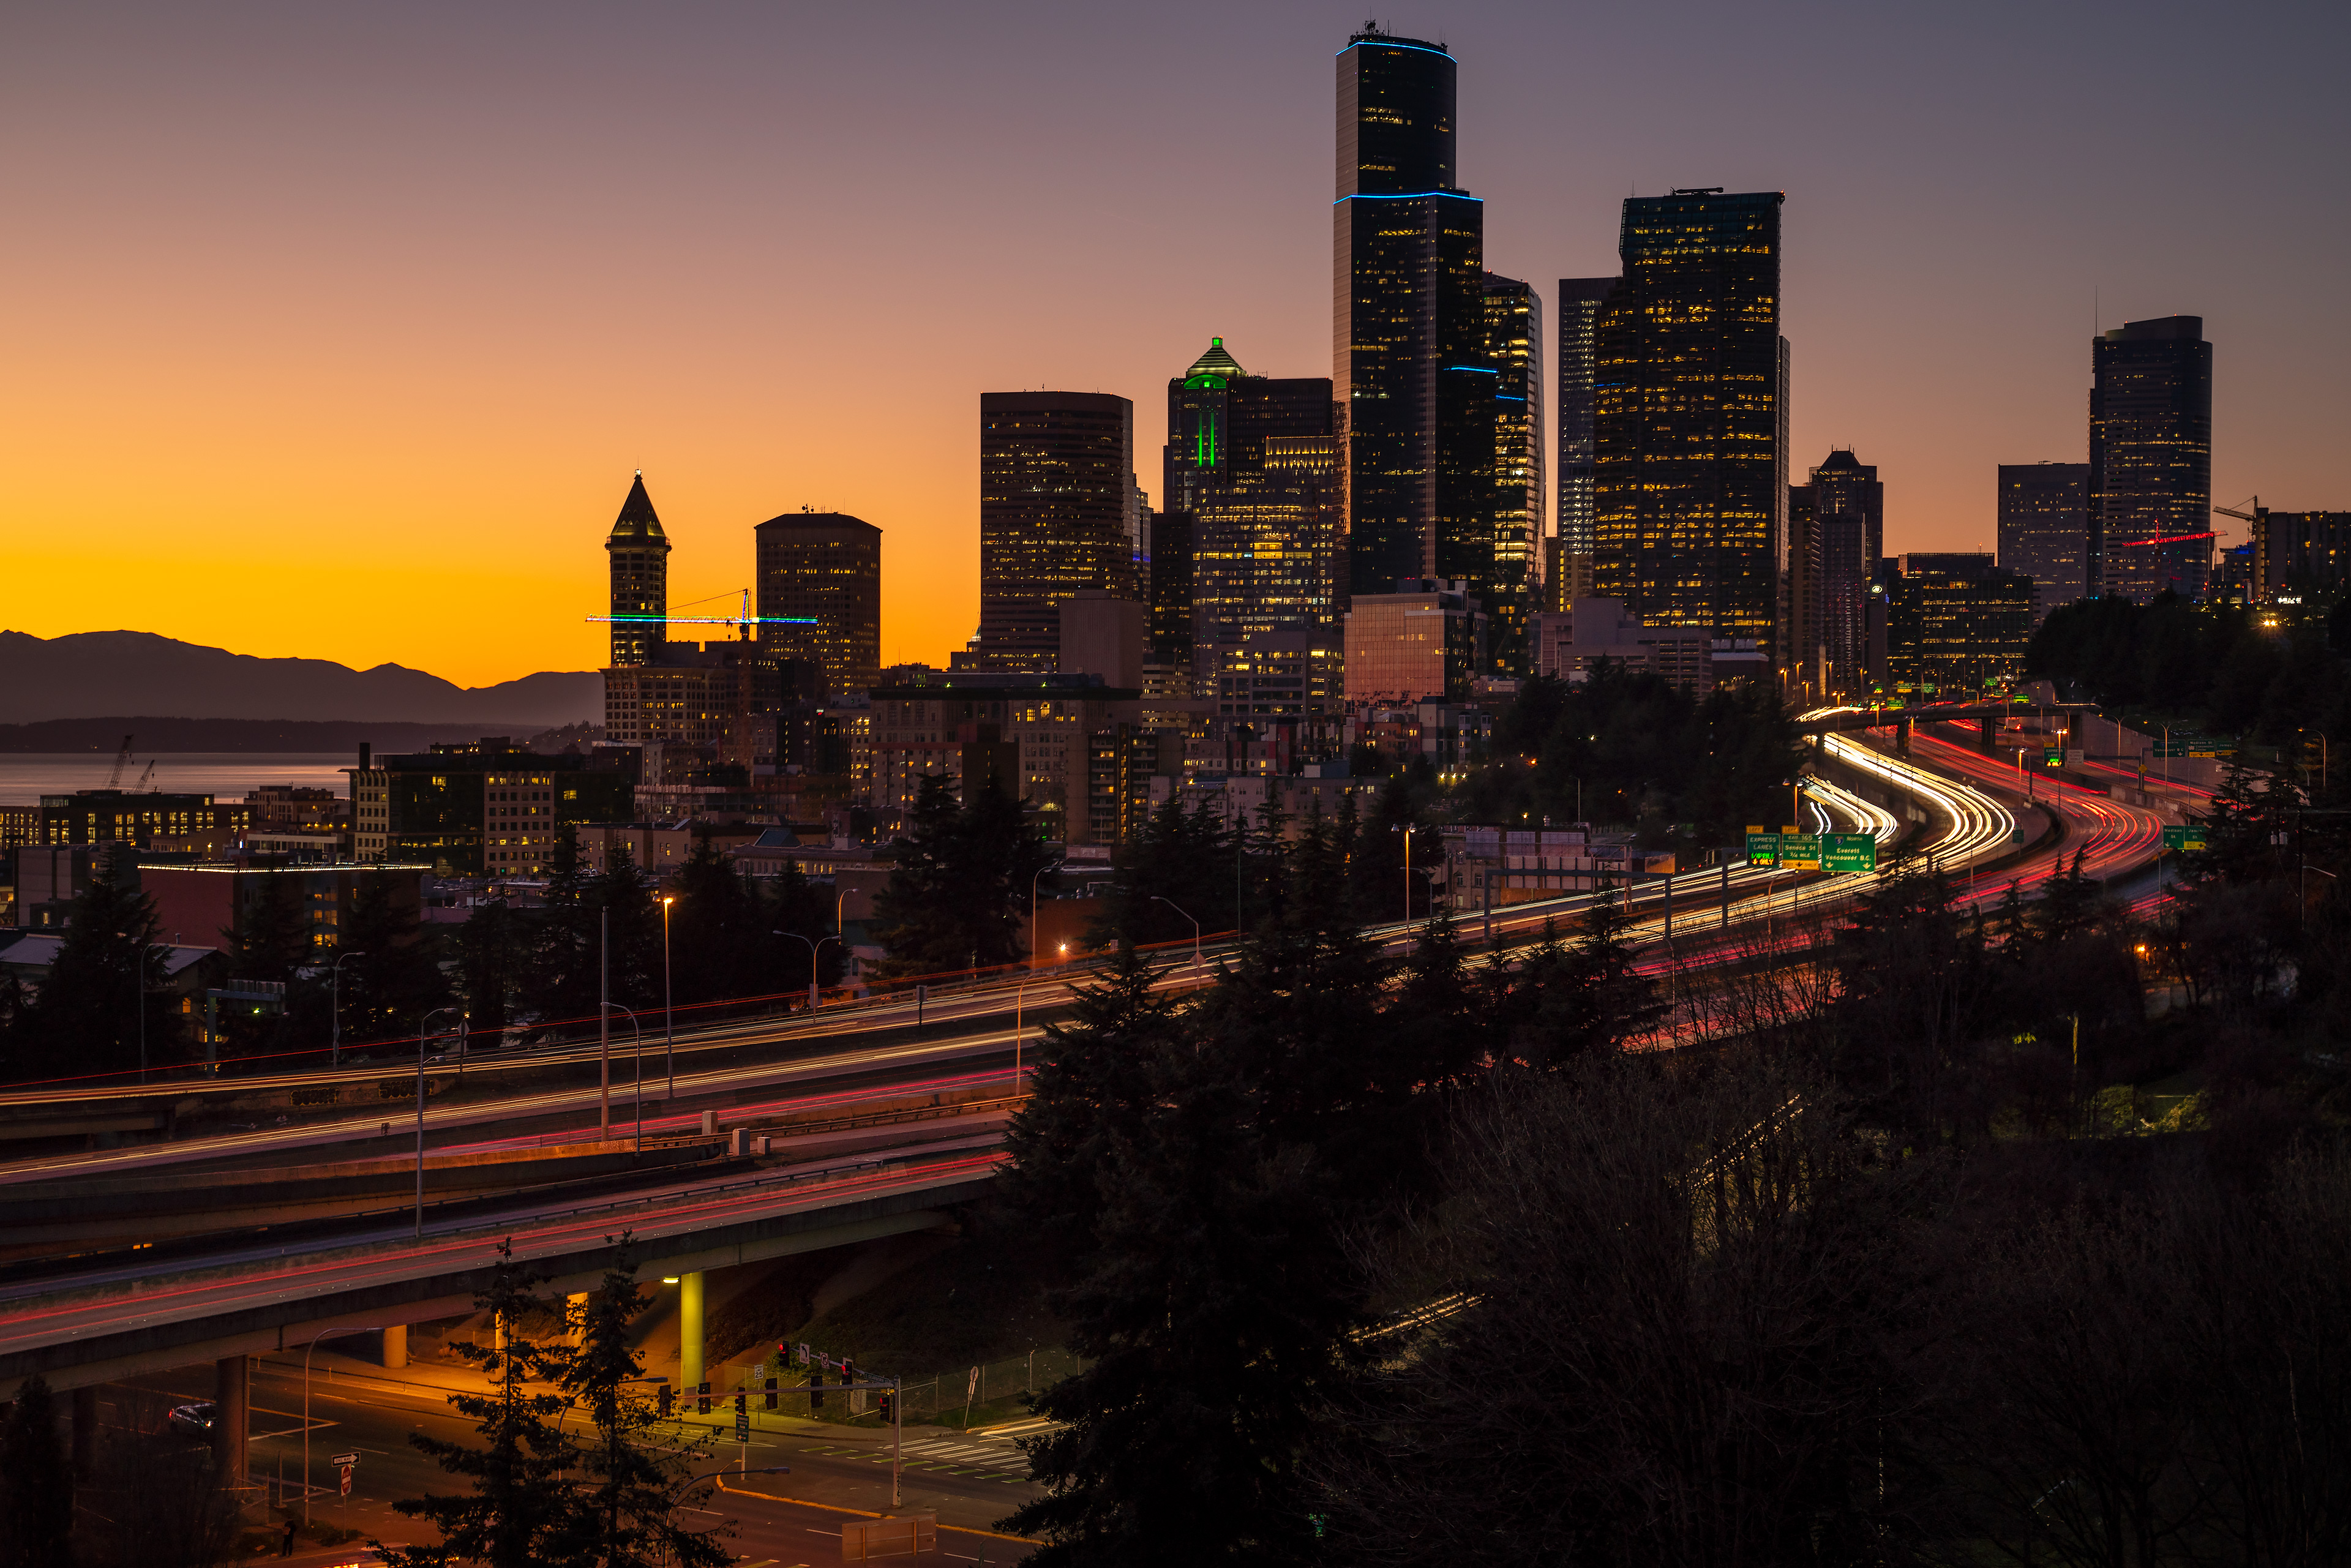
x,y
605,1016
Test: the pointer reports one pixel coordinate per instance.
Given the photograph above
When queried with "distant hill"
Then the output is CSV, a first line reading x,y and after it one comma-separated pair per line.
x,y
93,673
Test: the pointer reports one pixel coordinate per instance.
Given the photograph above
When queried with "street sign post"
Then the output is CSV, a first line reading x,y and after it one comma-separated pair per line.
x,y
1762,849
1800,852
1848,852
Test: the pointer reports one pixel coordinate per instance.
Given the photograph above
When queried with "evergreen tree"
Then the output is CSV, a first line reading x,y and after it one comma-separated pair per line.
x,y
795,904
395,979
1214,1313
626,1509
273,939
627,932
492,949
559,980
37,1483
519,1511
86,1017
956,880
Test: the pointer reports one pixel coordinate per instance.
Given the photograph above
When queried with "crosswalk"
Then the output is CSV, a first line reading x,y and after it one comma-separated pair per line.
x,y
988,1460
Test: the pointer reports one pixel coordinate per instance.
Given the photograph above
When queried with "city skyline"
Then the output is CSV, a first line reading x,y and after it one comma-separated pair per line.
x,y
391,366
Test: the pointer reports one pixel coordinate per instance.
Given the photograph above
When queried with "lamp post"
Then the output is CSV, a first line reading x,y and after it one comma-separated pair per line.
x,y
138,994
604,1018
424,1031
639,1032
1032,909
813,948
335,1024
1407,831
1158,898
669,1013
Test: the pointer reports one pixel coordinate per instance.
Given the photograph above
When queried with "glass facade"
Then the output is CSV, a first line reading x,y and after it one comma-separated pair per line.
x,y
2151,459
1409,367
2044,529
1691,415
1581,300
1056,513
639,555
1422,641
825,567
1514,338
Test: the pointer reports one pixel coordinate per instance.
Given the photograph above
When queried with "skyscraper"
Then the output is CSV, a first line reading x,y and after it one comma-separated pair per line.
x,y
1568,575
638,554
824,568
1691,482
1056,513
2044,529
2151,458
1408,324
1514,338
1836,532
1260,469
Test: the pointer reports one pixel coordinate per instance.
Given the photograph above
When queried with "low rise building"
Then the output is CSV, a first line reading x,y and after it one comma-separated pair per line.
x,y
135,817
1569,644
483,806
209,903
1956,625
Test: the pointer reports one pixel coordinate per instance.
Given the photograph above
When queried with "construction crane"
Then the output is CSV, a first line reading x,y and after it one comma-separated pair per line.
x,y
2258,513
141,787
745,620
121,761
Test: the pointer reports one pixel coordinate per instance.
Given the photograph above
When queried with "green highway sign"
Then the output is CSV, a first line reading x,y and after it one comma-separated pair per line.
x,y
1763,848
1848,852
2052,757
1800,852
2190,837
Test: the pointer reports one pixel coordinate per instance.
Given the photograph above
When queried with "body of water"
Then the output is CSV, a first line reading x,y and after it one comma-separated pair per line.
x,y
25,777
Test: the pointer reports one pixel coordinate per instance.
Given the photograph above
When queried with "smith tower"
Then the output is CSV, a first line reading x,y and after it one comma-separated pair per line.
x,y
1409,366
640,564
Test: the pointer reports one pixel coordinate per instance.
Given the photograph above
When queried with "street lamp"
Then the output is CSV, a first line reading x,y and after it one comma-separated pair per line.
x,y
328,1333
423,1032
138,994
1171,904
639,1076
669,1013
813,948
335,1016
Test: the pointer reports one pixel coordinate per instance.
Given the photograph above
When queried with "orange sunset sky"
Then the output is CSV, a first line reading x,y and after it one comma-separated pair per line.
x,y
338,331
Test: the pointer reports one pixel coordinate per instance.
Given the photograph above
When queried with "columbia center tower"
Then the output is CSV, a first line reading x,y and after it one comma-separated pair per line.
x,y
1410,370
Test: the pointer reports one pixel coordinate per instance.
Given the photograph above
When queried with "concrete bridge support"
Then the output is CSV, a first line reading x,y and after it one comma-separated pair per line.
x,y
395,1347
232,1421
85,1431
689,1334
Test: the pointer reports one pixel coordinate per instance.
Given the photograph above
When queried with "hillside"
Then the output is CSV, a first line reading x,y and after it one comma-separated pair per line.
x,y
99,672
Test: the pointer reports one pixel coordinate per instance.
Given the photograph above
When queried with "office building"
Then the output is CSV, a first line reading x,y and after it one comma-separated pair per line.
x,y
1056,513
2151,459
214,903
1169,601
2295,553
1277,675
1572,644
2045,530
1514,338
1957,626
482,807
821,571
1425,640
1836,529
1690,487
639,561
719,698
1410,324
1567,571
137,818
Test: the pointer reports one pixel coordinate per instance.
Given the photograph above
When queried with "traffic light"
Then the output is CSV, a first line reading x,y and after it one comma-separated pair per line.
x,y
702,1398
886,1405
667,1399
771,1393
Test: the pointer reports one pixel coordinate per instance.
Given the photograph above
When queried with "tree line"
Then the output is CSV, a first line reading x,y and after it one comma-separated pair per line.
x,y
505,967
1918,1241
2269,673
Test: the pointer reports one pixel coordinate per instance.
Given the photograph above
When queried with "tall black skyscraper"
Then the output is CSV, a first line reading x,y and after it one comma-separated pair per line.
x,y
1408,361
638,554
1691,488
1056,513
1569,573
2151,459
823,571
2044,529
1836,534
1514,345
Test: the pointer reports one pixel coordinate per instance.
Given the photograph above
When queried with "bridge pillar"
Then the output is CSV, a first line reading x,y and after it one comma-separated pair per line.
x,y
395,1347
232,1391
689,1334
1989,727
84,1430
1902,736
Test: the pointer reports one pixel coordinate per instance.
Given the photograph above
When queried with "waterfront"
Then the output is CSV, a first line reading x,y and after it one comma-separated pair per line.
x,y
25,777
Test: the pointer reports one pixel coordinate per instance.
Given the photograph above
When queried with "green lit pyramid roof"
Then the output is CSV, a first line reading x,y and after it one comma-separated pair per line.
x,y
1213,369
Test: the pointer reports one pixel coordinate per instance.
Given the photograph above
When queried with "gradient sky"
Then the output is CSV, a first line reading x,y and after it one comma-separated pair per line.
x,y
336,330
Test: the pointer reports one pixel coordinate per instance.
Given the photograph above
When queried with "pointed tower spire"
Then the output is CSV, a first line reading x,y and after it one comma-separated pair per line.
x,y
639,552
